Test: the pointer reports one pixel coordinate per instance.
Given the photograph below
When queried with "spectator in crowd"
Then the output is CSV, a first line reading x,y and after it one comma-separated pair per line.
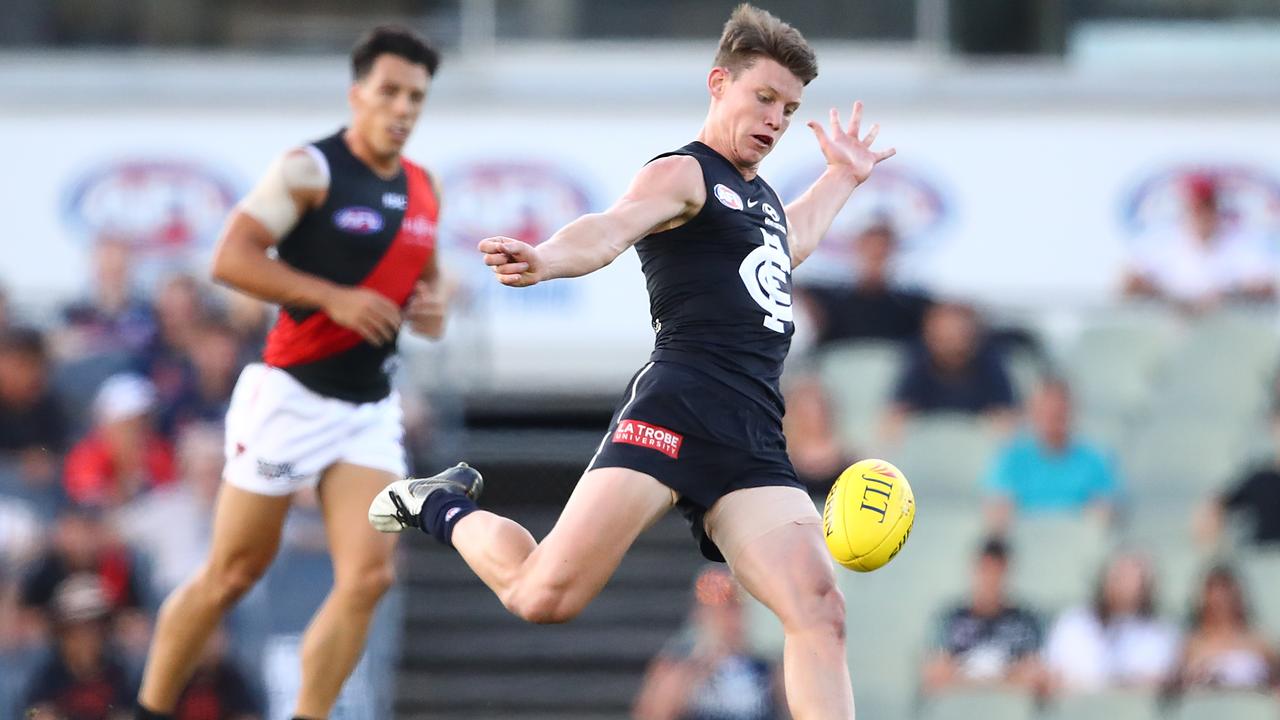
x,y
1048,468
708,674
873,307
122,455
1223,649
172,525
83,680
952,372
81,544
6,311
1117,640
989,640
251,319
811,438
1203,263
181,311
114,319
33,428
218,690
1254,498
215,359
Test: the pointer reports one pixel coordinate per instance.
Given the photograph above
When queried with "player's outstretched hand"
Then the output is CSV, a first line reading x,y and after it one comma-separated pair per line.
x,y
845,149
369,313
515,262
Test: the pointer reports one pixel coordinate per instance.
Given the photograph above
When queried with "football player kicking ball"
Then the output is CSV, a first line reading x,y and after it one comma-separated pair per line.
x,y
699,428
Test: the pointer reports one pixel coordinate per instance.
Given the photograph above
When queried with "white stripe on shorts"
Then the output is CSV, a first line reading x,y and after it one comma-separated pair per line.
x,y
621,413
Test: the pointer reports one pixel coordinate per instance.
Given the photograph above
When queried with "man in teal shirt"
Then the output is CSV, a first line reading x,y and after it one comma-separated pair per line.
x,y
1046,469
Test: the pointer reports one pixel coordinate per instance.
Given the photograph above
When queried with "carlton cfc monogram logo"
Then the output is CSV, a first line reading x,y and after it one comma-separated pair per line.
x,y
766,272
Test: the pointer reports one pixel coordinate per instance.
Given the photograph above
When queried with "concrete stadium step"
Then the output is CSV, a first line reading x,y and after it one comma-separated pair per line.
x,y
512,643
458,606
502,692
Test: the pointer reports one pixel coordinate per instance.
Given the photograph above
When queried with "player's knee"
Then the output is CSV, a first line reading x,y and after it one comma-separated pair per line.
x,y
819,609
545,604
227,582
367,586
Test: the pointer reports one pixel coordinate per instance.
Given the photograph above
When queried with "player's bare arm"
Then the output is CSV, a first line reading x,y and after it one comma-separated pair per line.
x,y
665,194
295,183
428,304
850,161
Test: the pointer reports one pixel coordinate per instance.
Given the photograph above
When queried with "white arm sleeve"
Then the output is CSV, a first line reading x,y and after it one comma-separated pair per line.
x,y
271,200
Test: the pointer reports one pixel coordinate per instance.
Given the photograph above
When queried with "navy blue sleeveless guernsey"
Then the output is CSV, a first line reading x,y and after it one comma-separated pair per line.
x,y
720,284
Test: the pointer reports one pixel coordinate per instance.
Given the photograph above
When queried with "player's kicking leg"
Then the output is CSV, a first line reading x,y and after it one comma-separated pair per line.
x,y
772,539
246,534
547,582
363,570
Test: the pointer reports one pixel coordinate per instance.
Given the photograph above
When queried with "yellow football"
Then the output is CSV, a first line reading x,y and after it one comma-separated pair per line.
x,y
868,515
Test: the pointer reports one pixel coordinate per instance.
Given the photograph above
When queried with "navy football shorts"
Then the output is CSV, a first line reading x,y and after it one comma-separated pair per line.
x,y
698,437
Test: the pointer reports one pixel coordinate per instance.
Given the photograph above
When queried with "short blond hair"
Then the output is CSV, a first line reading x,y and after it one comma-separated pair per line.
x,y
751,33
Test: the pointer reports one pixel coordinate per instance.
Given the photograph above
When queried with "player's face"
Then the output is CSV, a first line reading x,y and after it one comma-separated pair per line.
x,y
753,110
386,103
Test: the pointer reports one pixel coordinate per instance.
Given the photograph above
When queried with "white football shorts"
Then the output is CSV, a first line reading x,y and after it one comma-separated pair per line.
x,y
281,436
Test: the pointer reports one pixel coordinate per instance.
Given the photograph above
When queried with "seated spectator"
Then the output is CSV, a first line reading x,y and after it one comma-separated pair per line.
x,y
218,690
181,311
1254,498
988,640
952,372
122,455
172,525
33,428
80,545
1116,641
1203,263
811,439
251,319
83,680
872,307
709,674
1048,468
115,318
1223,649
215,359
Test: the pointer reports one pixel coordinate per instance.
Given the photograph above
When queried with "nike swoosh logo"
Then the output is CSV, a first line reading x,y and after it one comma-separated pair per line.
x,y
752,203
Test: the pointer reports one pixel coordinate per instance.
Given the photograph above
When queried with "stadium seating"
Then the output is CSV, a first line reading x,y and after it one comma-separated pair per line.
x,y
1261,571
1186,456
1114,366
1056,559
946,455
1227,706
1112,705
970,704
859,377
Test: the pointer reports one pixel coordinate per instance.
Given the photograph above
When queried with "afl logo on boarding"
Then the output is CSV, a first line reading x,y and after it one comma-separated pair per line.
x,y
766,272
358,220
728,197
156,204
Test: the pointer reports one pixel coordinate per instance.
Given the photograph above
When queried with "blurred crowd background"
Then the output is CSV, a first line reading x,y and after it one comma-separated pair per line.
x,y
1055,311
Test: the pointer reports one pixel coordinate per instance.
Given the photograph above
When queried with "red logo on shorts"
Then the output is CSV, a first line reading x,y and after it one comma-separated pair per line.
x,y
634,432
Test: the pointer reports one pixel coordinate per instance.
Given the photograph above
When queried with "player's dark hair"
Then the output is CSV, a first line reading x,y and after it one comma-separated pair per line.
x,y
751,33
392,40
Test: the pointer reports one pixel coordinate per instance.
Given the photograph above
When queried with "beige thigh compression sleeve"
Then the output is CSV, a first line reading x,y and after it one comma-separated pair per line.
x,y
271,203
745,515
